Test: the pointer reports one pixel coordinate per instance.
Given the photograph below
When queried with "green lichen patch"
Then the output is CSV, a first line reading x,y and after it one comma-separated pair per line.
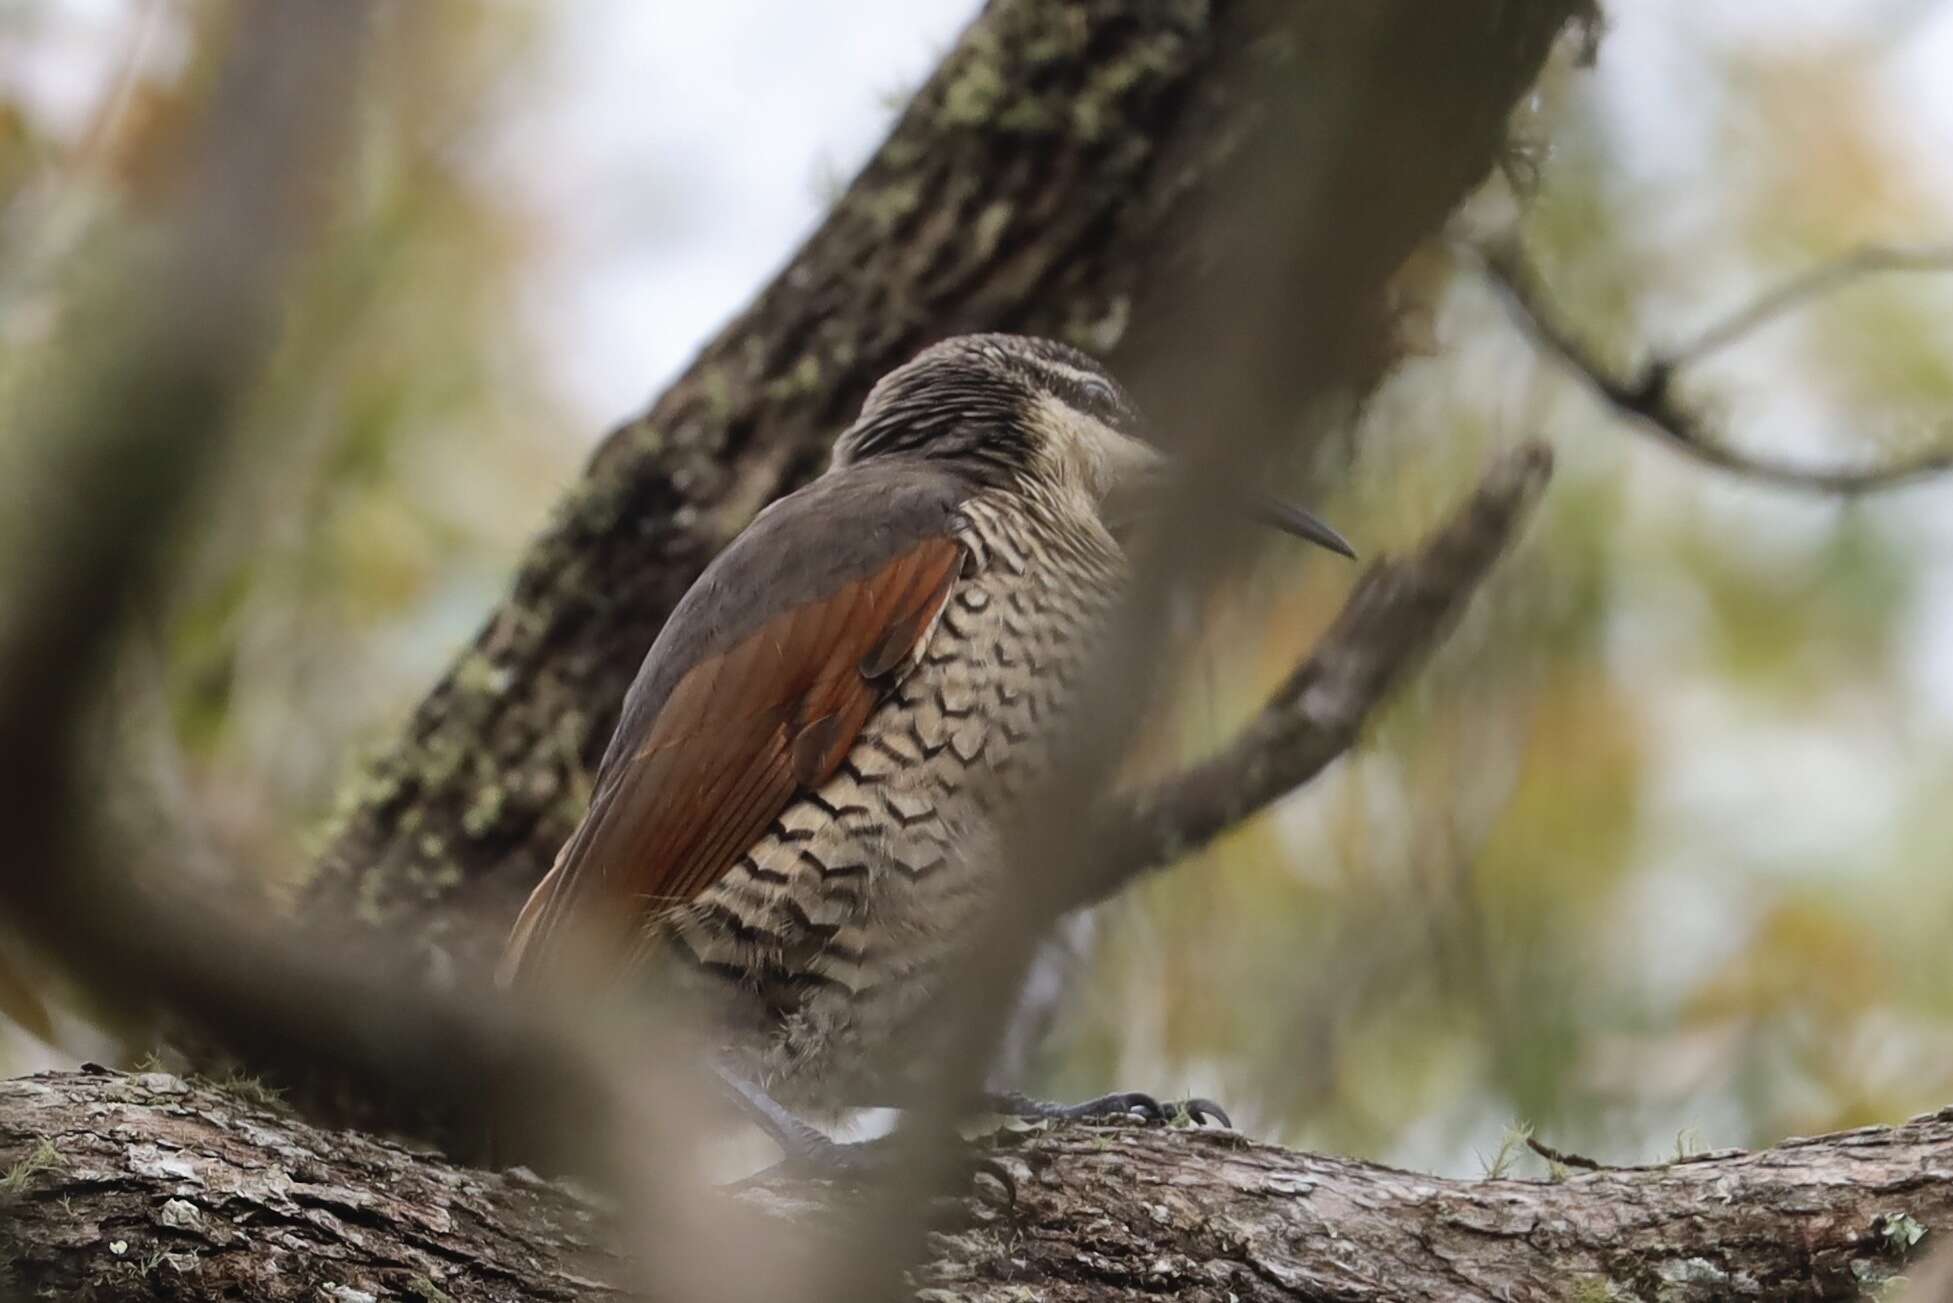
x,y
802,380
44,1157
1030,115
715,383
597,505
484,810
1901,1231
246,1088
438,760
427,1291
1098,107
1511,1145
1592,1289
1064,36
1877,1283
977,85
477,675
884,206
987,231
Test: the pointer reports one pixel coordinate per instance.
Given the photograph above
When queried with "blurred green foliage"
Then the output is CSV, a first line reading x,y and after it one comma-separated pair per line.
x,y
1658,845
402,447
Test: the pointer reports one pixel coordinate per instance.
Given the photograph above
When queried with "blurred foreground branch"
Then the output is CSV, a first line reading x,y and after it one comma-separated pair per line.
x,y
118,1186
1648,393
125,442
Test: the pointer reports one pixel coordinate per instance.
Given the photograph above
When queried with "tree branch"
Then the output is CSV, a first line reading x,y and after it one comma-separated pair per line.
x,y
1648,397
1813,283
1399,611
121,1186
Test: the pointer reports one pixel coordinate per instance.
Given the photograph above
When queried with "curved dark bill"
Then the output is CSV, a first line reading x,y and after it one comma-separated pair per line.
x,y
1293,520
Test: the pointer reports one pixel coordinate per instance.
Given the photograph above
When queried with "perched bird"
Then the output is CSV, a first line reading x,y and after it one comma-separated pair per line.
x,y
797,815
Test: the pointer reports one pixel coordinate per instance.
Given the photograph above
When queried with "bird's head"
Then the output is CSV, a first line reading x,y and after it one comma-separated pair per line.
x,y
1014,411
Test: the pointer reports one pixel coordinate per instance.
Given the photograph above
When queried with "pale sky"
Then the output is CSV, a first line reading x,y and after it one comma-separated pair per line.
x,y
688,146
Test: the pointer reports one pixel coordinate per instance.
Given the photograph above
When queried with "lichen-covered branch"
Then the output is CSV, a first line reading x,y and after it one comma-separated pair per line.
x,y
117,1186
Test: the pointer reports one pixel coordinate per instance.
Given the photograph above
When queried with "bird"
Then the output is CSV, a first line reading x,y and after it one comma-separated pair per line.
x,y
797,817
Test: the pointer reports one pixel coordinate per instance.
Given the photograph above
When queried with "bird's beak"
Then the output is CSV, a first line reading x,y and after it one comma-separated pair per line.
x,y
1266,509
1140,486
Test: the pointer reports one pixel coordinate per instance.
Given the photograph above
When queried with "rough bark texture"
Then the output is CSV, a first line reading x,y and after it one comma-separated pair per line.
x,y
1066,171
146,1186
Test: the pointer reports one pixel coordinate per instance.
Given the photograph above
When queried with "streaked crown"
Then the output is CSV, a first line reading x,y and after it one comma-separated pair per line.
x,y
1004,408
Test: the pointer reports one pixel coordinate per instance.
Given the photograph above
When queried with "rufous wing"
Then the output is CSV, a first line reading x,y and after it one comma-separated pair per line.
x,y
688,788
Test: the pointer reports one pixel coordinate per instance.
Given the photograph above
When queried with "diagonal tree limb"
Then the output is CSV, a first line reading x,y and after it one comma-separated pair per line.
x,y
1398,613
1647,395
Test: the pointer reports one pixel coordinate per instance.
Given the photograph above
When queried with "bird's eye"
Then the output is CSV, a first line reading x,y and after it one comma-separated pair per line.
x,y
1099,395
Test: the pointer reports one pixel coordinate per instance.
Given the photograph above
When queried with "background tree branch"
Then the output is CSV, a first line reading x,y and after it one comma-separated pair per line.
x,y
140,1186
1647,394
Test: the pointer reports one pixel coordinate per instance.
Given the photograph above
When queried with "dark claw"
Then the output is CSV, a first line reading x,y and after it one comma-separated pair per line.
x,y
1000,1170
1201,1110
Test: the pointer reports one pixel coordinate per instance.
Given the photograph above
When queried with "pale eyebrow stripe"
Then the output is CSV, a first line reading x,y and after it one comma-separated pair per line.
x,y
1076,374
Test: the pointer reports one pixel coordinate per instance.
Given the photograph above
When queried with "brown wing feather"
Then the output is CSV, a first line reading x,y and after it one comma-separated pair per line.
x,y
740,734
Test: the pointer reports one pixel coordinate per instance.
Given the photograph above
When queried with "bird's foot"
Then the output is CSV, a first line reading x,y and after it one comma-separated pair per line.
x,y
1120,1103
808,1151
872,1162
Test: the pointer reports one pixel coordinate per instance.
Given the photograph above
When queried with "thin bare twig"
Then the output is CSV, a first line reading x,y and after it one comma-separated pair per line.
x,y
1648,395
1562,1157
1812,283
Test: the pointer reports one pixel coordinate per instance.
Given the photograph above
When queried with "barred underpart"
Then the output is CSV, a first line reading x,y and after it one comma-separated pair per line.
x,y
827,940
